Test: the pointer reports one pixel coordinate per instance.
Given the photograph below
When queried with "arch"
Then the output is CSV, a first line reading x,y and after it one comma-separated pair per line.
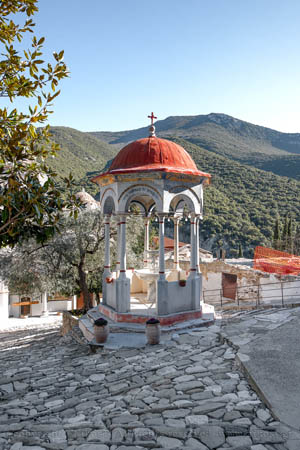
x,y
138,204
108,201
109,205
142,193
181,201
186,194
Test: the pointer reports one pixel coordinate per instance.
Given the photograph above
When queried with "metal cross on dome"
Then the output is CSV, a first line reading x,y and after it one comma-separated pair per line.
x,y
152,117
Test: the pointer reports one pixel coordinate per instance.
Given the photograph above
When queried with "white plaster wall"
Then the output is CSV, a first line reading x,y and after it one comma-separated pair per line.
x,y
180,297
211,282
4,302
14,311
270,293
59,305
37,309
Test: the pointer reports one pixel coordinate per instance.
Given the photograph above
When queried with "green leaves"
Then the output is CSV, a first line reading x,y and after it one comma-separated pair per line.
x,y
30,202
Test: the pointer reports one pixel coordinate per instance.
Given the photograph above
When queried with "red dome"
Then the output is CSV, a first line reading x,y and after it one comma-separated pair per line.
x,y
153,154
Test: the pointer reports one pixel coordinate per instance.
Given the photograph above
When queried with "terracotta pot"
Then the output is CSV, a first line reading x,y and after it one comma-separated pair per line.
x,y
101,333
153,333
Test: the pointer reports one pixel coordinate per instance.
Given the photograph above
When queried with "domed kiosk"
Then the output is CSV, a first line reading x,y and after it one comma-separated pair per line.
x,y
161,178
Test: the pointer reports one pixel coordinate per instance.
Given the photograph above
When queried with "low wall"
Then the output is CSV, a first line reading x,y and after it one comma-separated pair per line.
x,y
68,322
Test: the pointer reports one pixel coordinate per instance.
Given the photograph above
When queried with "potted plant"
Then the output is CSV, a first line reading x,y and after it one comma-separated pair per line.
x,y
101,330
153,331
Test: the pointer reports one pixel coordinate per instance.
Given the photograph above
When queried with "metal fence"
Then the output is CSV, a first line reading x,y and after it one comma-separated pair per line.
x,y
277,293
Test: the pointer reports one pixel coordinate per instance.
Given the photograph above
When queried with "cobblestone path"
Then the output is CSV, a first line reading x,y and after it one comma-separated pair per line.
x,y
187,394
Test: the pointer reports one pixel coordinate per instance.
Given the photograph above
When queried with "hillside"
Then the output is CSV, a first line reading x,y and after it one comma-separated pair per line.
x,y
81,154
241,204
241,141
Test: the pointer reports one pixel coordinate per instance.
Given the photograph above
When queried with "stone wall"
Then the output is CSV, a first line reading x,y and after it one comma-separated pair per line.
x,y
68,322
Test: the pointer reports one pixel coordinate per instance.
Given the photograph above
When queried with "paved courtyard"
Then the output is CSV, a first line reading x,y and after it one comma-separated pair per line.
x,y
187,393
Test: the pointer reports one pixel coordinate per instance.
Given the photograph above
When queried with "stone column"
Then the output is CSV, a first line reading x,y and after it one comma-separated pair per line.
x,y
162,295
106,272
193,263
118,246
146,241
45,304
74,302
122,282
122,247
176,242
197,243
161,219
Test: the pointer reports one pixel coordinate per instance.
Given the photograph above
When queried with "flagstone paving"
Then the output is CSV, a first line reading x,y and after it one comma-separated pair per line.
x,y
187,393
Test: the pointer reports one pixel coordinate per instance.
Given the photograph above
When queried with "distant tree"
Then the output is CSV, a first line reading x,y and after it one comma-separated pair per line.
x,y
276,235
284,240
240,254
71,261
31,204
296,241
289,239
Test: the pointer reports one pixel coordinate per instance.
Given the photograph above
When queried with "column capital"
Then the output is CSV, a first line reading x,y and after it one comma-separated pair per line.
x,y
176,219
122,217
162,216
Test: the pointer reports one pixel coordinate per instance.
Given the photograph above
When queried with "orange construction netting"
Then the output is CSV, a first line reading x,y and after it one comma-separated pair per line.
x,y
275,261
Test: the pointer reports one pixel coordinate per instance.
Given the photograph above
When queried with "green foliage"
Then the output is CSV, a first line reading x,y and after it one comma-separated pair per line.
x,y
242,203
81,154
277,235
261,147
72,261
31,204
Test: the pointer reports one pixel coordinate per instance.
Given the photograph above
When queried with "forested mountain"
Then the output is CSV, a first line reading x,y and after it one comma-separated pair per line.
x,y
81,154
241,204
250,144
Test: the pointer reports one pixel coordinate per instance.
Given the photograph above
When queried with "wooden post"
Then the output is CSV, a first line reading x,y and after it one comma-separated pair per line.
x,y
282,300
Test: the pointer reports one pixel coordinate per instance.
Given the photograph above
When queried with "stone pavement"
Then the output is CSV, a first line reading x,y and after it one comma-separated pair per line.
x,y
187,393
268,343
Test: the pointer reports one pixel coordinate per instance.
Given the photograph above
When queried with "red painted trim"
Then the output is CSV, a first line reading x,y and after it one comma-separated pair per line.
x,y
193,270
106,267
122,270
134,318
161,273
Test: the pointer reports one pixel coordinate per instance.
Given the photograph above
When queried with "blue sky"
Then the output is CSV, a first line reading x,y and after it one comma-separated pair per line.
x,y
174,57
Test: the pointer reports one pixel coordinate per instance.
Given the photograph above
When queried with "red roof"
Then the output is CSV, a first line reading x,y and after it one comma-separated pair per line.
x,y
169,243
153,154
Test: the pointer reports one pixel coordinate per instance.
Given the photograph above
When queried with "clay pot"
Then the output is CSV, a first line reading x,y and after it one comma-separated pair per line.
x,y
153,331
101,331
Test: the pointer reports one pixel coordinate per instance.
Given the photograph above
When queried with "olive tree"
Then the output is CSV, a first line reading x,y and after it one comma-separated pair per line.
x,y
72,261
